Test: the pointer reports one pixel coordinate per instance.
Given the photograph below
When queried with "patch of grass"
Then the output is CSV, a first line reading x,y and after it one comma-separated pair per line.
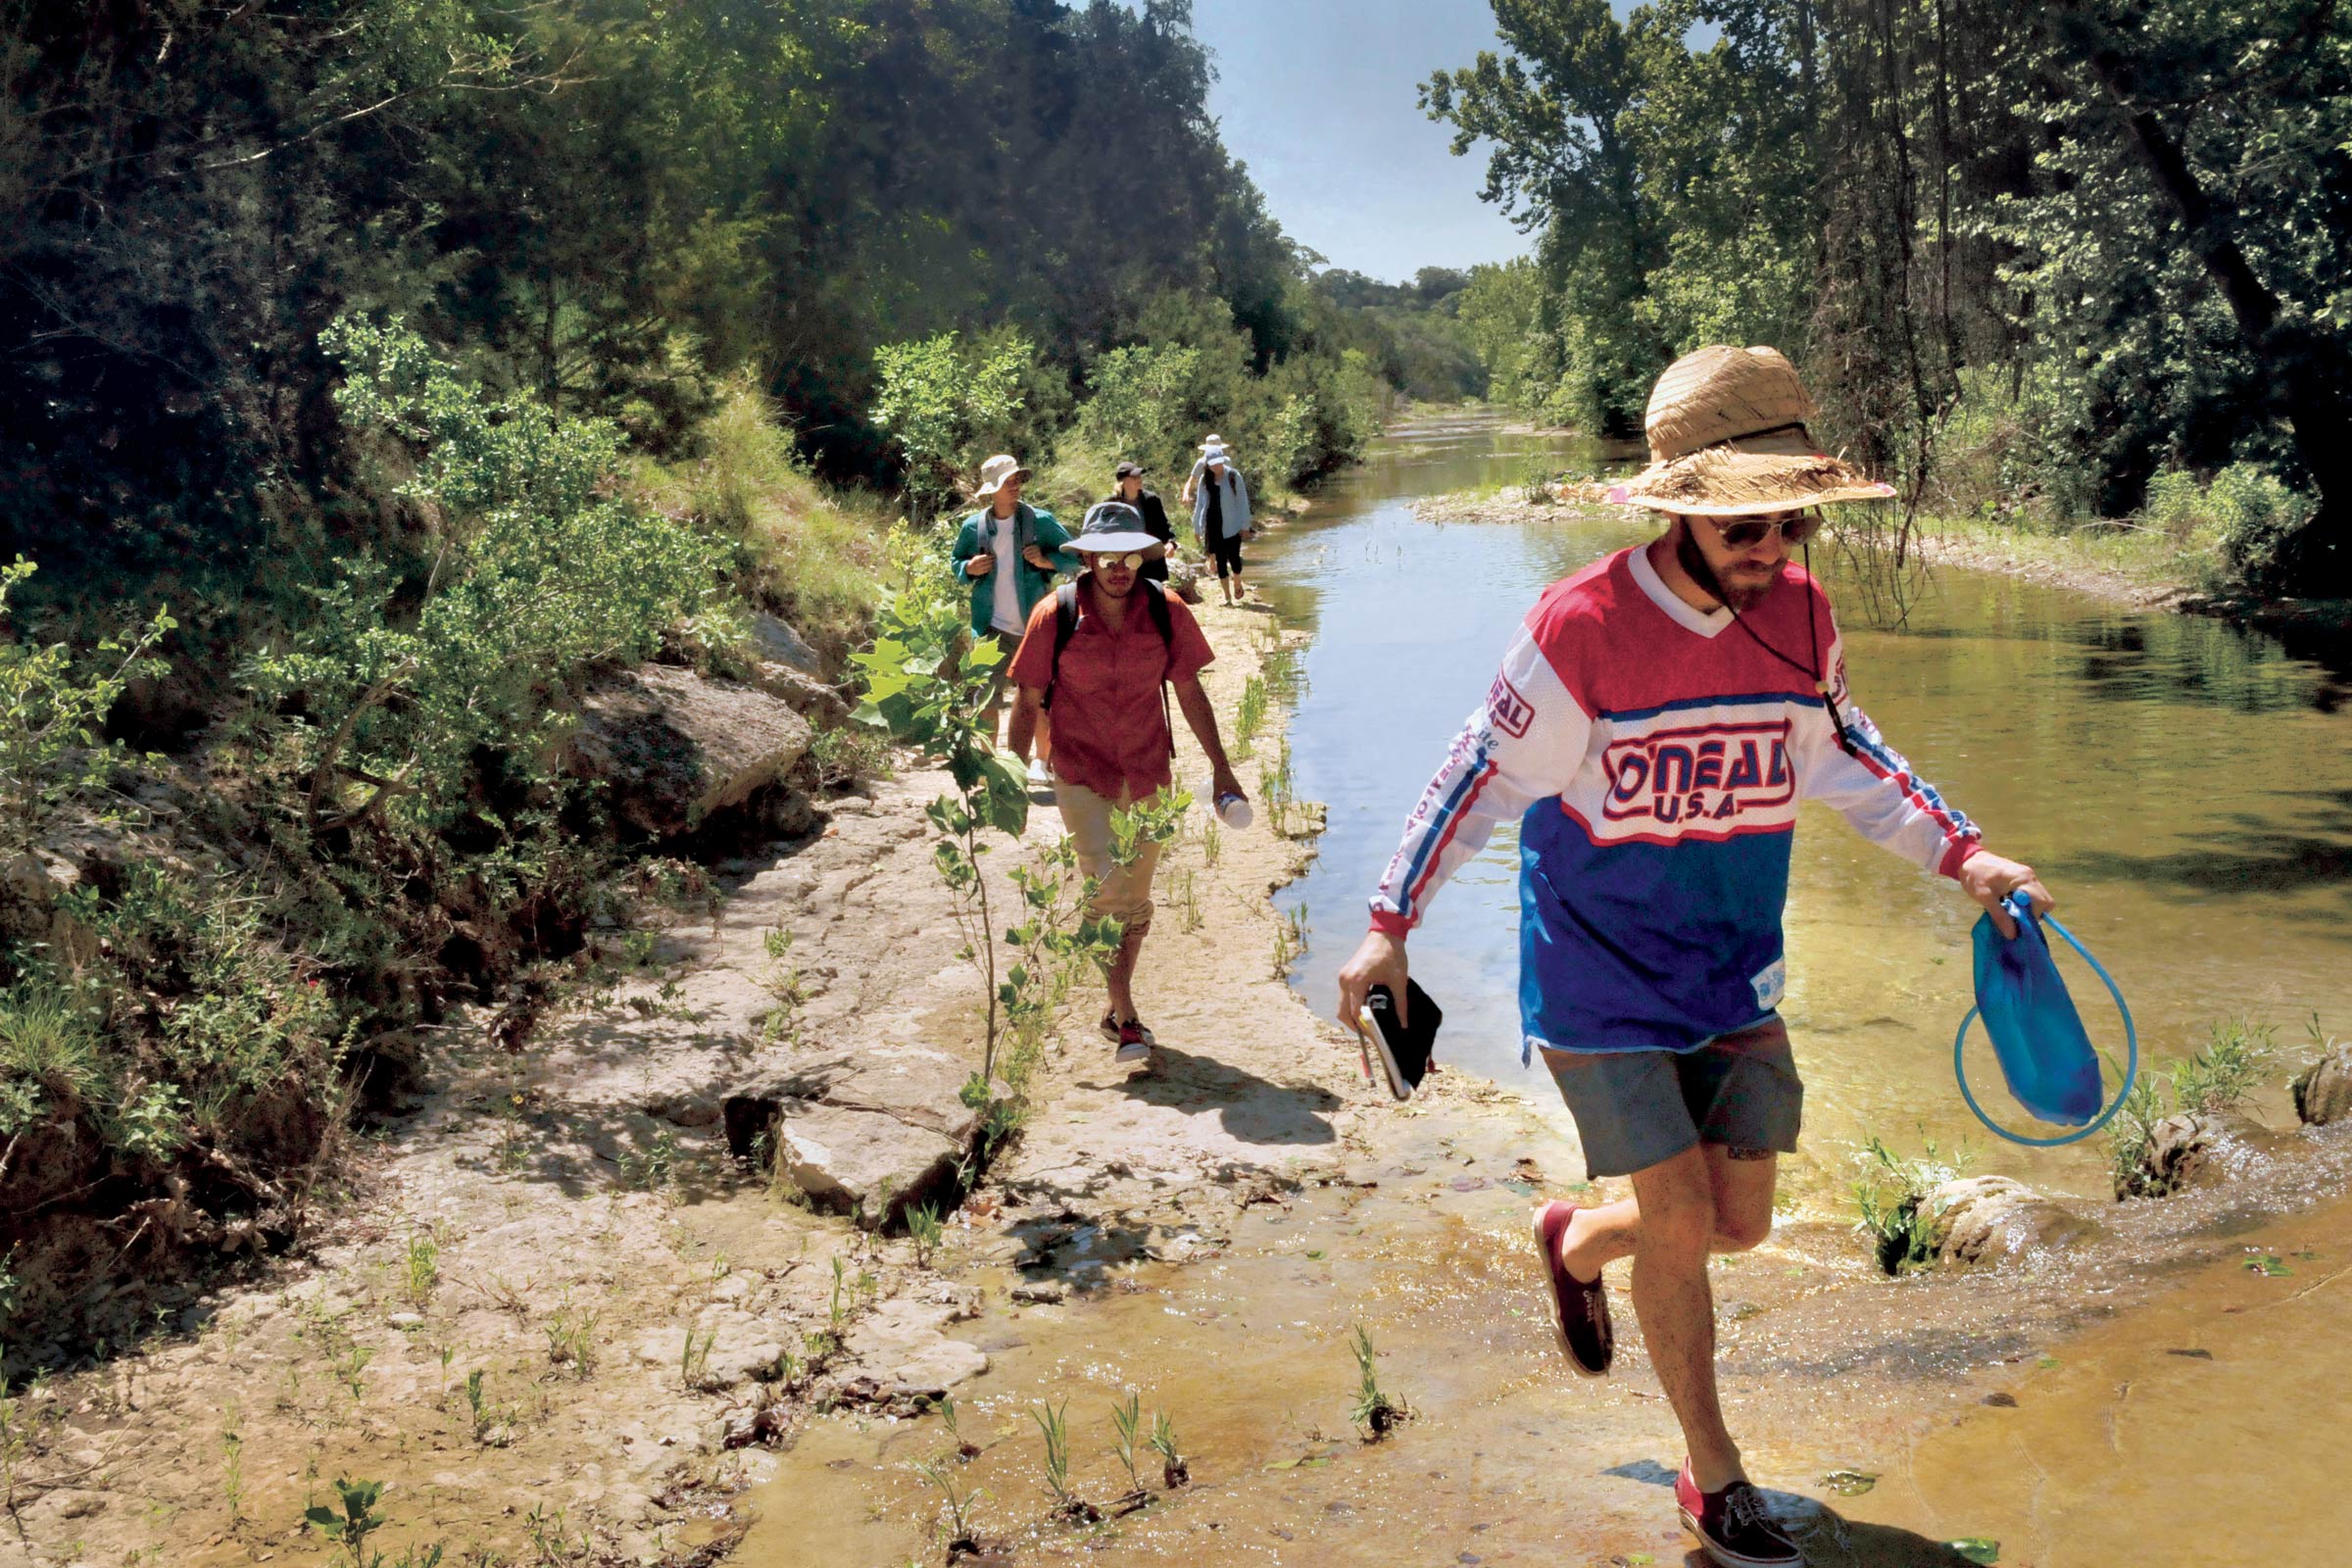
x,y
1891,1201
1250,717
813,556
1376,1411
49,1046
923,1228
2217,1080
420,1269
1174,1471
572,1339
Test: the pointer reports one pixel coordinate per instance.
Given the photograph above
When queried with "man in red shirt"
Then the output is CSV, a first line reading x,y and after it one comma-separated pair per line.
x,y
1112,745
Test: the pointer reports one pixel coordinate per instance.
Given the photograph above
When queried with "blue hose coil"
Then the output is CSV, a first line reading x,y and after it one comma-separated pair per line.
x,y
2130,1060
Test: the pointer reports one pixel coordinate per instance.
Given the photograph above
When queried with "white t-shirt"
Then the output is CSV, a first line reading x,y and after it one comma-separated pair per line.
x,y
1006,616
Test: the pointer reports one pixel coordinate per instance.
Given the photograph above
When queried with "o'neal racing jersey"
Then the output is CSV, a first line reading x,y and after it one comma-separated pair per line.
x,y
1655,754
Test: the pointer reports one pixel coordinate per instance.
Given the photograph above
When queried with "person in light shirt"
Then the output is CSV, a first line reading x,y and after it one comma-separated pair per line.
x,y
1008,552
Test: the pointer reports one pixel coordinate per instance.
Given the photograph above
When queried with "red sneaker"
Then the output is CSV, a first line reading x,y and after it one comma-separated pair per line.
x,y
1579,1312
1733,1526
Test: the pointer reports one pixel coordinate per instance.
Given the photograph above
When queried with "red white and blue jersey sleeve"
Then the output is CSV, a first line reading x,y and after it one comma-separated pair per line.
x,y
1526,742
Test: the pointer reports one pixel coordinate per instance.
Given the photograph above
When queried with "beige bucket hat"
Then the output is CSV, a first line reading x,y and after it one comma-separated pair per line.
x,y
1728,439
993,474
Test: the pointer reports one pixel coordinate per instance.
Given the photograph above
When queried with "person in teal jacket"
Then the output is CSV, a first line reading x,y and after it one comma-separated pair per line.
x,y
1008,552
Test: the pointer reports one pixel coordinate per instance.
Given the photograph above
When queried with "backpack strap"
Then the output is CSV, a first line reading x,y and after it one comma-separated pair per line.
x,y
1065,626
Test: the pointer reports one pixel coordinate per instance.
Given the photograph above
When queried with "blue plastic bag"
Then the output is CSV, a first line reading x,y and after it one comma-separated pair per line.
x,y
2036,1033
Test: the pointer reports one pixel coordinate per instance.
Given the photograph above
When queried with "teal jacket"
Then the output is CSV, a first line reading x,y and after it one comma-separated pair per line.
x,y
978,537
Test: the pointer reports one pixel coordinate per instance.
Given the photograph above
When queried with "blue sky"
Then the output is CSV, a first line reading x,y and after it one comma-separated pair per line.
x,y
1317,97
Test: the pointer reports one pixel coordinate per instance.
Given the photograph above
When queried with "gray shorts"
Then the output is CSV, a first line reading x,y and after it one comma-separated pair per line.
x,y
1635,1109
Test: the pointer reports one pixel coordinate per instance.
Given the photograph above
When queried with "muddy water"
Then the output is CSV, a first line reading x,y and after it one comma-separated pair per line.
x,y
2184,787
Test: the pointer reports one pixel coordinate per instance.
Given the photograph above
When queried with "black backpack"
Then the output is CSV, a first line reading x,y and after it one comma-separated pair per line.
x,y
1065,626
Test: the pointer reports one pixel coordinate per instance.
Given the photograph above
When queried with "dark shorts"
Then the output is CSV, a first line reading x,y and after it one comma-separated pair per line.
x,y
1227,553
1637,1108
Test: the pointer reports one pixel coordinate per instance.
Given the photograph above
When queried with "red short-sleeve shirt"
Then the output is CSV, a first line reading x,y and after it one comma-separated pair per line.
x,y
1109,731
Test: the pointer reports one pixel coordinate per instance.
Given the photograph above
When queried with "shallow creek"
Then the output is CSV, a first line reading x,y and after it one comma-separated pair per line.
x,y
2186,789
2148,1397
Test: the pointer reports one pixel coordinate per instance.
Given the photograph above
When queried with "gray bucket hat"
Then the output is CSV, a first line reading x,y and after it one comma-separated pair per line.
x,y
1113,528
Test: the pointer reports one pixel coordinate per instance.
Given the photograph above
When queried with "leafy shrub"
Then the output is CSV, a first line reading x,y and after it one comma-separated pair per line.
x,y
544,573
52,705
941,403
2248,514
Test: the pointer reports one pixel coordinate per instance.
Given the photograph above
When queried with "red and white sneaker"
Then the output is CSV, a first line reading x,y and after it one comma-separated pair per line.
x,y
1733,1526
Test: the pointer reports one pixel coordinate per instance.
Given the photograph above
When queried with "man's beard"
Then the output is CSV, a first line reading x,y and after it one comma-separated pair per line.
x,y
1741,596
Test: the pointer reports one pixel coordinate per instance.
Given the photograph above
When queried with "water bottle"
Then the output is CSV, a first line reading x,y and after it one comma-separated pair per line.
x,y
1232,807
2037,1036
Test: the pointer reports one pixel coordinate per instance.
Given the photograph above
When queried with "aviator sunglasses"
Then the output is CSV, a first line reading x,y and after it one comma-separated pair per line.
x,y
1746,533
1133,560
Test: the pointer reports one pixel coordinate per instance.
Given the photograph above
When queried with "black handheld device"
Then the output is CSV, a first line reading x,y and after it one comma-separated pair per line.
x,y
1405,1048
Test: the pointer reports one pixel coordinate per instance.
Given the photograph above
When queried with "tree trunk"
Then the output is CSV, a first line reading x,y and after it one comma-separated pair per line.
x,y
2309,368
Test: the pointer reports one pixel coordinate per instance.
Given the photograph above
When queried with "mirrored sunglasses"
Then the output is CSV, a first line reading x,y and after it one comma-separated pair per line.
x,y
1746,533
1133,560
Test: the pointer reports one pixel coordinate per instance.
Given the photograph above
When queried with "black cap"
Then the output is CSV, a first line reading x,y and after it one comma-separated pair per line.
x,y
1129,470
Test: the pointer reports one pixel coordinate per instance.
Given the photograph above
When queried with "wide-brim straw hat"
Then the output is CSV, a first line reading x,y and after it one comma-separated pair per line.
x,y
1728,439
994,473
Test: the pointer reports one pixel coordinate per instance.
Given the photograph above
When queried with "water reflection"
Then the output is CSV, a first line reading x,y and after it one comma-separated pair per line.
x,y
2182,782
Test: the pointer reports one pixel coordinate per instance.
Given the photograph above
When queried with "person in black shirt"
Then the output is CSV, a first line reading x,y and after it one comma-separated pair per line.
x,y
1130,489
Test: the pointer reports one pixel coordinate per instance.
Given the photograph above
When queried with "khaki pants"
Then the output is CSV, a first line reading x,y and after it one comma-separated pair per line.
x,y
1125,894
994,703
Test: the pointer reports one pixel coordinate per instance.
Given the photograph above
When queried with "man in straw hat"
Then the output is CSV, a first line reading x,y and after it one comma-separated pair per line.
x,y
1656,720
1008,552
1099,655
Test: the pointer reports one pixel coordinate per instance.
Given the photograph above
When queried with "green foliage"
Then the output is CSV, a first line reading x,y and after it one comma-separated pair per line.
x,y
1174,1471
1056,1435
812,554
2251,518
356,1522
2217,1080
2063,252
1126,1424
52,707
1890,1199
947,407
542,575
1055,943
925,688
49,1051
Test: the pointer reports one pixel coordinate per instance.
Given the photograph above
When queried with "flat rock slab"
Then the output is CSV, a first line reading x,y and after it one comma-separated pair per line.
x,y
673,746
862,1163
902,1343
861,1133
